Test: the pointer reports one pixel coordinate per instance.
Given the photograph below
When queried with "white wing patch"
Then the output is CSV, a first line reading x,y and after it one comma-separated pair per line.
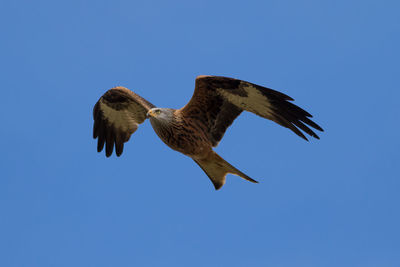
x,y
119,118
254,102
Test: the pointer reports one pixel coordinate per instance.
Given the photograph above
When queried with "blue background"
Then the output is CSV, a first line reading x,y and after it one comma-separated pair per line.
x,y
332,202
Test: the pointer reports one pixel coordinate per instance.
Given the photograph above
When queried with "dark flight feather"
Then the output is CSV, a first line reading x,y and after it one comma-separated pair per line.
x,y
225,98
117,115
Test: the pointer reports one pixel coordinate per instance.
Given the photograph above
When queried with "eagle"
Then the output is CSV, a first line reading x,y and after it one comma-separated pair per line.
x,y
200,125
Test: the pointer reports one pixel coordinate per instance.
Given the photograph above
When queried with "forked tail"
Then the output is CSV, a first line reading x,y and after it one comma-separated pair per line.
x,y
217,168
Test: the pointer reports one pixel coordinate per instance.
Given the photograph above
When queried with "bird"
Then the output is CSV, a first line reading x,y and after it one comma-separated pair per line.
x,y
196,128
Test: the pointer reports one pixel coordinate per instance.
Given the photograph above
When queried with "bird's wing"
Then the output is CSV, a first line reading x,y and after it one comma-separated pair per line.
x,y
217,101
116,116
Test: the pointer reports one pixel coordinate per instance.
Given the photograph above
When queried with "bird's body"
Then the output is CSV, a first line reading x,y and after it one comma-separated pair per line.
x,y
190,140
199,126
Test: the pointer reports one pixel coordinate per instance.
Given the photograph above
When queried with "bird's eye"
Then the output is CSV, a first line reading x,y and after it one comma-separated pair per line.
x,y
158,111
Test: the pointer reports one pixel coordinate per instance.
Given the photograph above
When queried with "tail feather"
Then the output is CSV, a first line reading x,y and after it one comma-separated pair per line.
x,y
217,168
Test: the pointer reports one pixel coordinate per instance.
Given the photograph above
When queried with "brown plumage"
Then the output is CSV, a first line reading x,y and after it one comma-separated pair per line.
x,y
197,127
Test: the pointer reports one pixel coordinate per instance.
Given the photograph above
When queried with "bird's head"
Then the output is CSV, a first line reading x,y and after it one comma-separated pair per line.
x,y
160,114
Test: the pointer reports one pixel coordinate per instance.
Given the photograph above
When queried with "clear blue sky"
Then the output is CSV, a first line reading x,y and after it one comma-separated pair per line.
x,y
332,202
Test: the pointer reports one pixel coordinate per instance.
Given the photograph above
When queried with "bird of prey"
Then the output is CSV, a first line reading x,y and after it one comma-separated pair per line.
x,y
200,125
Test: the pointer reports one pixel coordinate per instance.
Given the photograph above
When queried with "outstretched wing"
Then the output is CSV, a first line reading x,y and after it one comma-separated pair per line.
x,y
217,101
116,116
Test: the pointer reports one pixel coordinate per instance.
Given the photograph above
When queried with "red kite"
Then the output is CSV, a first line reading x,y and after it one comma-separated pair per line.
x,y
199,126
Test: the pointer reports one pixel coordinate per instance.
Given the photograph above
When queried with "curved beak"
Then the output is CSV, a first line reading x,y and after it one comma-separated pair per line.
x,y
149,114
